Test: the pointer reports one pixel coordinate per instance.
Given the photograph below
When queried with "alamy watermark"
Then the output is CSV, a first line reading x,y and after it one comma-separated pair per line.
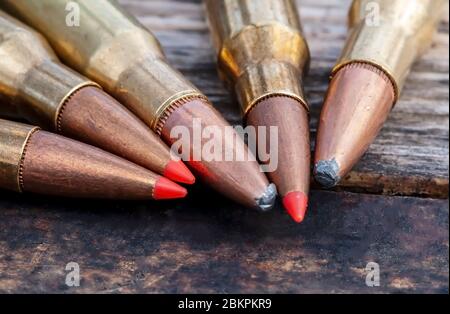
x,y
372,14
373,274
73,275
73,15
216,143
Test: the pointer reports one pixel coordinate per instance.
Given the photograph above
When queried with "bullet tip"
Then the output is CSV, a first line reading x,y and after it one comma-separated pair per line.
x,y
326,173
166,189
178,172
267,200
296,204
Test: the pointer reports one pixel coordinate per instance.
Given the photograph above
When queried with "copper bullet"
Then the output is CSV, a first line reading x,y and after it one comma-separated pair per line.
x,y
368,78
292,176
263,55
35,86
236,179
36,161
127,60
357,104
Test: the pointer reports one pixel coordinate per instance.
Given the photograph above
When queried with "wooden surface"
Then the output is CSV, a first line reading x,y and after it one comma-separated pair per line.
x,y
197,248
193,246
410,156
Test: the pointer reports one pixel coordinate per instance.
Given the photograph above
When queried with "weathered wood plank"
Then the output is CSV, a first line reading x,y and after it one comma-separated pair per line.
x,y
198,248
410,157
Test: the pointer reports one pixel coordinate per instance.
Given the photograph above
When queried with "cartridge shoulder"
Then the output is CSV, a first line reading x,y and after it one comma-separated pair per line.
x,y
21,48
271,42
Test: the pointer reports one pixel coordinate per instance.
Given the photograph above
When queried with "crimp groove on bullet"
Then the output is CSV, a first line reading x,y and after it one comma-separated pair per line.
x,y
22,159
175,105
303,103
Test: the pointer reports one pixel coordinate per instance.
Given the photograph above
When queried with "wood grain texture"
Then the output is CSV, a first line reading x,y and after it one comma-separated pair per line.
x,y
409,157
197,248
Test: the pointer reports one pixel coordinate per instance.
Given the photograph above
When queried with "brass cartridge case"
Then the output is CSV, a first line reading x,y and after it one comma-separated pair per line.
x,y
390,35
123,57
33,84
13,140
261,49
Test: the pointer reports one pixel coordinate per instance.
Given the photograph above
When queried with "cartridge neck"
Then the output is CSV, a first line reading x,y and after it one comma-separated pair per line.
x,y
269,78
390,35
13,141
150,87
45,90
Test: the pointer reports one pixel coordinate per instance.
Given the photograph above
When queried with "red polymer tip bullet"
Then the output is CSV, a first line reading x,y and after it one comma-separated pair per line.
x,y
166,189
177,171
296,204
